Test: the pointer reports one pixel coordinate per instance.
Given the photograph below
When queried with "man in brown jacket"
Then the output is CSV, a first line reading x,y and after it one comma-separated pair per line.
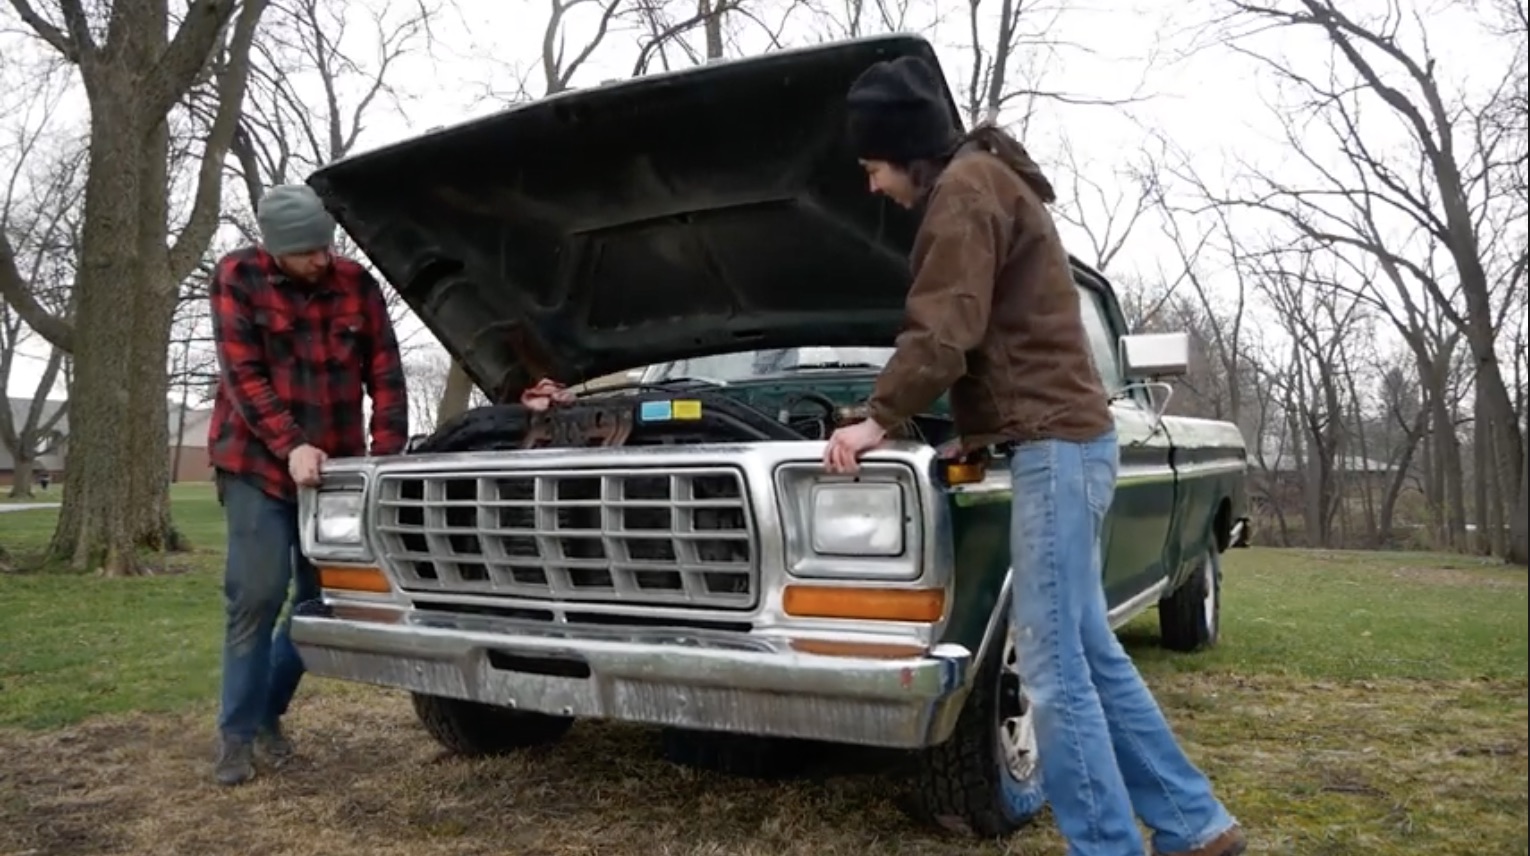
x,y
993,316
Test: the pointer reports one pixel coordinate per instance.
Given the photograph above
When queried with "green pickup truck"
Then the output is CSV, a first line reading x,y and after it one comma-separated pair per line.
x,y
668,550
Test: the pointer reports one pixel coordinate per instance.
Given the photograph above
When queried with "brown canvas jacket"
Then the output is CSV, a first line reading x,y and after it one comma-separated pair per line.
x,y
992,315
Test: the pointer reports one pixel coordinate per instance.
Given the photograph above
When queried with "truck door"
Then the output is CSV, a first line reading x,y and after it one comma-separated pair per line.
x,y
1137,527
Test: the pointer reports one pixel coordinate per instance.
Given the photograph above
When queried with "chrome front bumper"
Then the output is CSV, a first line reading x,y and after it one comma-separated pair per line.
x,y
682,678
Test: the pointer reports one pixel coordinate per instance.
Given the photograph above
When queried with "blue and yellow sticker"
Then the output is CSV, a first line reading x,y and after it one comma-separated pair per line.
x,y
685,410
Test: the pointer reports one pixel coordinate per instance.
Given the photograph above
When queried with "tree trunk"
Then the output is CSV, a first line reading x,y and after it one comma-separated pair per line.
x,y
1451,497
712,26
1367,480
1399,479
101,526
128,271
1501,485
1502,419
1455,483
154,319
21,475
1482,478
1434,504
1519,523
455,395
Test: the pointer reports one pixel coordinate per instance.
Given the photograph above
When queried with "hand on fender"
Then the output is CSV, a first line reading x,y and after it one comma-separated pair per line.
x,y
847,444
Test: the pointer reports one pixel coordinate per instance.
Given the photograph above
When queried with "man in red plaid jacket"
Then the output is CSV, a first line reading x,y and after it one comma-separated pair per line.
x,y
301,334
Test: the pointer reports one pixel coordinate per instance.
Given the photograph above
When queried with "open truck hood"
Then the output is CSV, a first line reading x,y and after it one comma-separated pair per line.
x,y
670,216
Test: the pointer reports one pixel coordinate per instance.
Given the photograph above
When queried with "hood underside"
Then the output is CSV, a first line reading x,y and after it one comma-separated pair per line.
x,y
671,216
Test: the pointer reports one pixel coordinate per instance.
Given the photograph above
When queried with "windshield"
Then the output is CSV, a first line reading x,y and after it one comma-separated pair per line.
x,y
752,364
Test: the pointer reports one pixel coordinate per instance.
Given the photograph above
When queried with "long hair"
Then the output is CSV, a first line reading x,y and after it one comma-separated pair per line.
x,y
997,142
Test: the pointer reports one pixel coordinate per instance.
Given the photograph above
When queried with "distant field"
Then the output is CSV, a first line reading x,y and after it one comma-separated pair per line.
x,y
1361,705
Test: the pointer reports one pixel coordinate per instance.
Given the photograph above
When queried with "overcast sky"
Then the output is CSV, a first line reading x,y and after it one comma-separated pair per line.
x,y
1211,102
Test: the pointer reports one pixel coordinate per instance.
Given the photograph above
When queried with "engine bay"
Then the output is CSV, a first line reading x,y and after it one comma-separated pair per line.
x,y
648,416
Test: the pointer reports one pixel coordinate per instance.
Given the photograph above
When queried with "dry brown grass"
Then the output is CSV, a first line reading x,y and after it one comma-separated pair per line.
x,y
1376,767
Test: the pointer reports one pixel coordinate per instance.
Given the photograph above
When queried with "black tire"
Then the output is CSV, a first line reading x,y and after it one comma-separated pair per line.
x,y
483,730
744,755
482,429
1190,619
967,785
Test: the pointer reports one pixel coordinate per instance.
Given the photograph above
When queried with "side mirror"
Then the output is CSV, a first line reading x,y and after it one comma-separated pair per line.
x,y
1153,356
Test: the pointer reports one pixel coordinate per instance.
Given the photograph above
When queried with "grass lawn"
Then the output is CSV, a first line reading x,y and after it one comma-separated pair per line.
x,y
54,493
1361,703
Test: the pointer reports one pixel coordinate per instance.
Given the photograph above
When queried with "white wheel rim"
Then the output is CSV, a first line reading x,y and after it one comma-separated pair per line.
x,y
1211,594
1017,732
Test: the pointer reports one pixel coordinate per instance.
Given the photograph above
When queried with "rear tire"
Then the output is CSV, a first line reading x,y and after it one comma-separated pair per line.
x,y
479,730
986,779
1190,619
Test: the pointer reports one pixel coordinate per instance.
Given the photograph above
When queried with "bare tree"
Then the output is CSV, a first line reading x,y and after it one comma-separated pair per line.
x,y
319,72
427,373
136,63
312,94
38,210
1318,320
1107,220
834,20
558,68
38,224
1451,187
668,26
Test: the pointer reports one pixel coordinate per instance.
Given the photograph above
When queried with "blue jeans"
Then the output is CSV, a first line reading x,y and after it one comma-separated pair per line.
x,y
1106,752
261,668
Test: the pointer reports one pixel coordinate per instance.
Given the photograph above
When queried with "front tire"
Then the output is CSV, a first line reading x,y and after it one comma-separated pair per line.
x,y
1190,619
478,730
986,779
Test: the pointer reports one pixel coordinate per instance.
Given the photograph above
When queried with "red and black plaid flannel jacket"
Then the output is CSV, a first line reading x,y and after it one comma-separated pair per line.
x,y
294,359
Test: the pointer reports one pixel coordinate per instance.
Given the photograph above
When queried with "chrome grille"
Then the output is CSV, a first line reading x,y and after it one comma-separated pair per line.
x,y
683,538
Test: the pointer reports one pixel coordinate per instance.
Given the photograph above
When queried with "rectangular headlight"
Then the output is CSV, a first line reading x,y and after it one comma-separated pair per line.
x,y
337,517
867,527
857,519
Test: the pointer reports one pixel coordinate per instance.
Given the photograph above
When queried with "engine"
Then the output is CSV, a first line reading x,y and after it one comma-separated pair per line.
x,y
656,418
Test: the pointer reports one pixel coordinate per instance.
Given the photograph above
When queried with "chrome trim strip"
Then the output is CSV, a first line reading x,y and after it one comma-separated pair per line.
x,y
1137,604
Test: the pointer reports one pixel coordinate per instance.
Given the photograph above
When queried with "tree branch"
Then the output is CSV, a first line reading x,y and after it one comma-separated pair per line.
x,y
232,77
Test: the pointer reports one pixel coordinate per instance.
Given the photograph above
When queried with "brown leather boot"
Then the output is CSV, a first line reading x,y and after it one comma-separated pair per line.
x,y
1230,843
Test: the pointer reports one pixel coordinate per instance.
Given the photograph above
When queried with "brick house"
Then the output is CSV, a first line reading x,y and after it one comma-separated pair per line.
x,y
51,448
187,451
189,460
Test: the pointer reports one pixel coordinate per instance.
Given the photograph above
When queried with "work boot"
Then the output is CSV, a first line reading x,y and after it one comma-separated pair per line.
x,y
1230,843
273,743
236,762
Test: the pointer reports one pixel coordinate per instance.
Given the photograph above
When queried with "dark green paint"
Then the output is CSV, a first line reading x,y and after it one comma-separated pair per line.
x,y
980,549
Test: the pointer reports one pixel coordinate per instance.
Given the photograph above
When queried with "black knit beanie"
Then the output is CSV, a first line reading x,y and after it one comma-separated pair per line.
x,y
896,113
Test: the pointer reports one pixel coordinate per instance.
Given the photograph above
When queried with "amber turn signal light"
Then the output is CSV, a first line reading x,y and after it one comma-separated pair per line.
x,y
354,579
864,603
862,650
963,472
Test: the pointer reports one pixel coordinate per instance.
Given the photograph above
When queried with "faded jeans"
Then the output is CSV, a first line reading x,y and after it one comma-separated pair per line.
x,y
261,668
1107,754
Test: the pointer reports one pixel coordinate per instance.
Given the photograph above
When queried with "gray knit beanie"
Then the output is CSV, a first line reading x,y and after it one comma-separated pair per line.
x,y
293,220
